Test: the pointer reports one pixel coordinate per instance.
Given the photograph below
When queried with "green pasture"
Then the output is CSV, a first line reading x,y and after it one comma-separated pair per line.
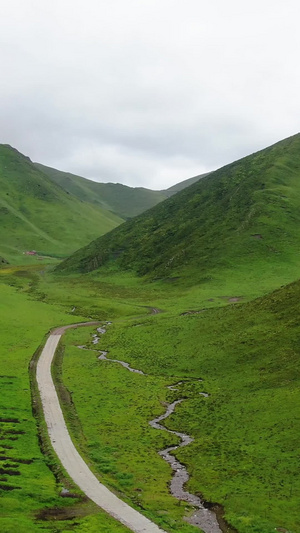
x,y
29,491
220,261
118,441
246,451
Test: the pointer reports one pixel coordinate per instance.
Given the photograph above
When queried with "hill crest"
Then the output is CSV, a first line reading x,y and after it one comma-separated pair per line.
x,y
36,213
215,223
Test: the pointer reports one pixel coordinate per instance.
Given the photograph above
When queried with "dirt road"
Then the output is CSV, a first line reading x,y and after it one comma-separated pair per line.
x,y
67,453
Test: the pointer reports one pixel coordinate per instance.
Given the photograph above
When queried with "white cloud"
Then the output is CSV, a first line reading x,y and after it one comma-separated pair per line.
x,y
147,92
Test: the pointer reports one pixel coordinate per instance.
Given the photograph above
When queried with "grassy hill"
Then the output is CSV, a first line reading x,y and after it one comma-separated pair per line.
x,y
122,200
36,213
183,185
127,202
243,217
237,229
215,241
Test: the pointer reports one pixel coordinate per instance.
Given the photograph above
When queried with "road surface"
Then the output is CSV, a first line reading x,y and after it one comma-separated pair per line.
x,y
66,451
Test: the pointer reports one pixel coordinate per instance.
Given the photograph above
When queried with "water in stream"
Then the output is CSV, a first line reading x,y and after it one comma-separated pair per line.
x,y
202,517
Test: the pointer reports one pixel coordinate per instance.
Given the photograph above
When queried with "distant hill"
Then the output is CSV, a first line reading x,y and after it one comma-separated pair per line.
x,y
126,202
37,214
122,200
183,185
247,213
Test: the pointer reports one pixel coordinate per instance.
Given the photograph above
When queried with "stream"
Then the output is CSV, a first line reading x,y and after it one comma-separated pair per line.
x,y
202,517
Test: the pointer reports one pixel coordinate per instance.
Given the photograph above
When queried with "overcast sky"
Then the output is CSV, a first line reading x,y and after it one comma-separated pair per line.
x,y
147,92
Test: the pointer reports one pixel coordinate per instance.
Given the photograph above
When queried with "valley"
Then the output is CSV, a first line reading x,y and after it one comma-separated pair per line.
x,y
47,214
220,261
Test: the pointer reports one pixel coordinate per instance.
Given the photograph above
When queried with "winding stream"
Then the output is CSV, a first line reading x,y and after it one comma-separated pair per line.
x,y
202,517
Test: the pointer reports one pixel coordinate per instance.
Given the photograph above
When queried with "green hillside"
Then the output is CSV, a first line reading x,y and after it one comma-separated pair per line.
x,y
37,214
245,216
125,201
183,185
233,360
246,448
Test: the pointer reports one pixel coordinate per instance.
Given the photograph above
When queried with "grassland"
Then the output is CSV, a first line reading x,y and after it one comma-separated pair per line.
x,y
230,317
245,453
124,201
246,431
128,464
30,492
37,214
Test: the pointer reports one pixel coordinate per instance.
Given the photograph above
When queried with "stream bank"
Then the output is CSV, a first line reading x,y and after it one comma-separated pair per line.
x,y
205,516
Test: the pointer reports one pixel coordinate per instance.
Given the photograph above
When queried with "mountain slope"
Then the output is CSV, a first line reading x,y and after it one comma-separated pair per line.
x,y
245,214
183,185
36,213
125,201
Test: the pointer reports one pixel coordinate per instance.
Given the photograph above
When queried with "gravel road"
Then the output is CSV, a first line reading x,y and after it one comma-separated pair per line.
x,y
67,453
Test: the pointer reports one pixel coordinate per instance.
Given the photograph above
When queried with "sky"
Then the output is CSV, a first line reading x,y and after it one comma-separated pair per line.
x,y
147,92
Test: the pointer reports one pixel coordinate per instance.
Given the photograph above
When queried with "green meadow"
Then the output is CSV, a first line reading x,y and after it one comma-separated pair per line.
x,y
31,481
245,452
202,289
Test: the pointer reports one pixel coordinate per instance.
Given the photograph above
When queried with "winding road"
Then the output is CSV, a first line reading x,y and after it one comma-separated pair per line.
x,y
66,451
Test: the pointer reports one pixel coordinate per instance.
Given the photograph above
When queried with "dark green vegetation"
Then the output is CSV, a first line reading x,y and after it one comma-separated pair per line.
x,y
37,214
241,221
55,213
183,184
227,319
126,202
246,448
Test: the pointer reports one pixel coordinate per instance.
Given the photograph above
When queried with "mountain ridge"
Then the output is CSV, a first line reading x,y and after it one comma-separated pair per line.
x,y
123,200
84,209
247,210
36,213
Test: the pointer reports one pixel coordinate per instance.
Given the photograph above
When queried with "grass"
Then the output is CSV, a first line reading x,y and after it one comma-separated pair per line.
x,y
118,442
124,201
134,470
37,214
245,450
191,264
240,220
245,453
29,489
